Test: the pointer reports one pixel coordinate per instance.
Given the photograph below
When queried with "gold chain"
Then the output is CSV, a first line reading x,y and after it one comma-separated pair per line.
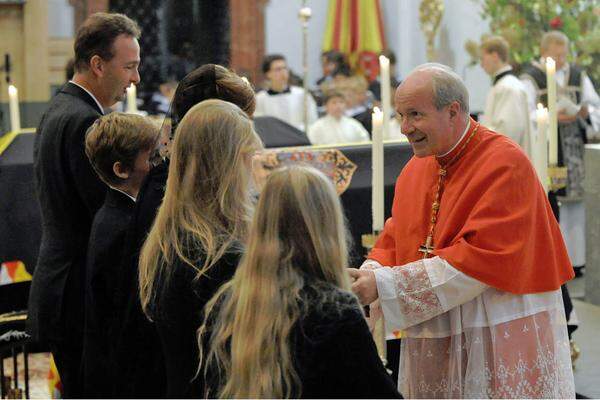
x,y
435,206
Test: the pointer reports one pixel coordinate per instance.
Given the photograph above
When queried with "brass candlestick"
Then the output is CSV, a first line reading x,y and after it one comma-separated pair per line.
x,y
368,240
557,177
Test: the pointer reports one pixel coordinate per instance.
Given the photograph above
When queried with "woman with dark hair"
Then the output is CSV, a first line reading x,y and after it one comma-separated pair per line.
x,y
139,361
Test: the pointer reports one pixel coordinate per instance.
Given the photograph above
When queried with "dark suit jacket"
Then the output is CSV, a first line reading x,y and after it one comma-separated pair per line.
x,y
103,263
136,340
70,193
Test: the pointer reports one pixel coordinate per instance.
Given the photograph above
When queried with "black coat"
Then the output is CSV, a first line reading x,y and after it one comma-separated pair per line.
x,y
139,363
179,314
332,349
69,193
103,263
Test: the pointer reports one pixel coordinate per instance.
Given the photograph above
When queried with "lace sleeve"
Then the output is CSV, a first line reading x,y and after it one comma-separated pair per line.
x,y
370,265
418,291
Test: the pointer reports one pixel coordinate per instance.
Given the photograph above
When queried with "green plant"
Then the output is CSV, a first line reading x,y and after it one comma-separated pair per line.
x,y
523,22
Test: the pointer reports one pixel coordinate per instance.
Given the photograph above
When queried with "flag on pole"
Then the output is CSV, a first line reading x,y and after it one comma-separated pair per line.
x,y
355,28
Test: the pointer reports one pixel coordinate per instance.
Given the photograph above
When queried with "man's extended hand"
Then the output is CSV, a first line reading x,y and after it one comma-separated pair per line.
x,y
364,285
566,118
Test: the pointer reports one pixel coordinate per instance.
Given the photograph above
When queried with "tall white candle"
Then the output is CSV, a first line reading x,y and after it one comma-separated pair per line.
x,y
552,114
13,105
541,146
377,170
132,99
386,103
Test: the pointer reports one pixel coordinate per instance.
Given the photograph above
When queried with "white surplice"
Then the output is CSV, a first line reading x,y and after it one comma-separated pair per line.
x,y
507,112
589,97
287,106
331,130
572,213
465,339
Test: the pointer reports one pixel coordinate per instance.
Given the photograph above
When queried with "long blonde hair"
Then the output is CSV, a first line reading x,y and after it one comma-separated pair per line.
x,y
297,234
207,205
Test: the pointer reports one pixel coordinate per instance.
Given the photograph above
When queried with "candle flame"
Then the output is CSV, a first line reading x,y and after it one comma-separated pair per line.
x,y
550,65
305,12
383,60
12,91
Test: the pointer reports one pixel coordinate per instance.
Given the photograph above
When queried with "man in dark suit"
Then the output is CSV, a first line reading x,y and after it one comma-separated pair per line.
x,y
107,56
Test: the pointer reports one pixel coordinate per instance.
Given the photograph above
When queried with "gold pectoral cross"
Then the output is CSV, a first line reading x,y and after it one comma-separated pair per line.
x,y
427,248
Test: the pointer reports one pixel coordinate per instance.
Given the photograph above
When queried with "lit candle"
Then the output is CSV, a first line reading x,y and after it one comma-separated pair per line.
x,y
541,145
132,99
386,104
305,12
553,117
377,169
13,105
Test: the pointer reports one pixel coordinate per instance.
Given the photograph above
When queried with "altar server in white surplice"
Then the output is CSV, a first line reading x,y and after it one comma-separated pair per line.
x,y
335,127
282,100
506,108
578,106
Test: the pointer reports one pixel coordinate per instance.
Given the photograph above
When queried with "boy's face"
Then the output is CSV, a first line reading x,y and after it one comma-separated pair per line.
x,y
335,107
278,73
141,167
489,62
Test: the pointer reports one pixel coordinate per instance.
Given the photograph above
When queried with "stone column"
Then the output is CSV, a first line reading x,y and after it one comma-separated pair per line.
x,y
592,211
247,37
35,40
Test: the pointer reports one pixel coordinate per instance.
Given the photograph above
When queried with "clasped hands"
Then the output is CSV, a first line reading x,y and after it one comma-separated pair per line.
x,y
566,117
364,285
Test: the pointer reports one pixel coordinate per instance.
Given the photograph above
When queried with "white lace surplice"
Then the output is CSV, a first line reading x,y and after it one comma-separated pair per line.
x,y
464,339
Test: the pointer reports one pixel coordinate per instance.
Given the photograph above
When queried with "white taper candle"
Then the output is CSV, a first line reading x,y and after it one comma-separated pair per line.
x,y
541,145
13,105
132,99
386,102
377,170
552,113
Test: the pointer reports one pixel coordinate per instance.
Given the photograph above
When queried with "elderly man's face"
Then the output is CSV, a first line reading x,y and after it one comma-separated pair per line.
x,y
429,130
558,52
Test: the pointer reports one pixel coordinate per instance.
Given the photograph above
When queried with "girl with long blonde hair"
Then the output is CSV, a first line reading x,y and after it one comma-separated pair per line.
x,y
196,240
286,325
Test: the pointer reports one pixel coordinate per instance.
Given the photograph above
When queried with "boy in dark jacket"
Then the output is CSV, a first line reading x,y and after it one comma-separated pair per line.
x,y
119,147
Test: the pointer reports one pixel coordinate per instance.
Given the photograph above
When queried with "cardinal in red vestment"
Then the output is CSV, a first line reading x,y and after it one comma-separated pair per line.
x,y
469,266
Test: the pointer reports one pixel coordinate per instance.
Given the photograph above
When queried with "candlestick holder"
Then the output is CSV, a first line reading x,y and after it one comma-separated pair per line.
x,y
368,240
557,177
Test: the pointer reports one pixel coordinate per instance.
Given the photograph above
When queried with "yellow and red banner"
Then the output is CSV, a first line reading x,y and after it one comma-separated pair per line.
x,y
13,272
355,28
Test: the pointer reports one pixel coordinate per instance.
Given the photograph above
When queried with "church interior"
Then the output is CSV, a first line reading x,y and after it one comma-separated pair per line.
x,y
336,56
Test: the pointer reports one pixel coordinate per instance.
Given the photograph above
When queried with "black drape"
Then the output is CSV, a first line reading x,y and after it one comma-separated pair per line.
x,y
177,36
